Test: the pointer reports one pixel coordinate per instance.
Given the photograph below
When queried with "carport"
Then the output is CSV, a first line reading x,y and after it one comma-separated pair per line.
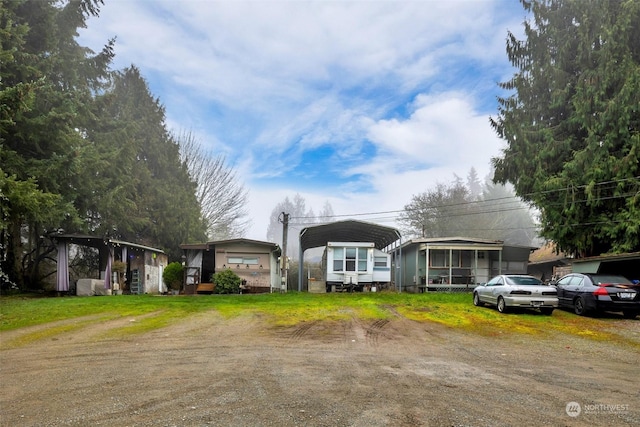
x,y
344,231
625,264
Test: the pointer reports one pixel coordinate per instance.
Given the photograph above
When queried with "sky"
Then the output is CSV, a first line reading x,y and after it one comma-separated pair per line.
x,y
362,104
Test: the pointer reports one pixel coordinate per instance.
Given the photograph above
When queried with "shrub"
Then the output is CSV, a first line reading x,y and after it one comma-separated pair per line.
x,y
227,282
173,275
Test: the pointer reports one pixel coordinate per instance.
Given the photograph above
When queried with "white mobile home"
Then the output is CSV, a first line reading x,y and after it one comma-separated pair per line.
x,y
355,266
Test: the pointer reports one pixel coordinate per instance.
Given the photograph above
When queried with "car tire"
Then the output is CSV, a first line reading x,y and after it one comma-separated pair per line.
x,y
476,300
547,311
579,307
501,305
629,314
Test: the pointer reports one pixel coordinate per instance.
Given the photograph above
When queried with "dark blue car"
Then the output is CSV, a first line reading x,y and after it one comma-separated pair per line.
x,y
592,293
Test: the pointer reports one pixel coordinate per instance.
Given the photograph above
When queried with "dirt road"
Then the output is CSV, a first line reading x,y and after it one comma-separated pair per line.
x,y
210,371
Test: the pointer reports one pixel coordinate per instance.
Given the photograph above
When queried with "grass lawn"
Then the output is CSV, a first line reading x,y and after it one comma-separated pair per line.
x,y
453,310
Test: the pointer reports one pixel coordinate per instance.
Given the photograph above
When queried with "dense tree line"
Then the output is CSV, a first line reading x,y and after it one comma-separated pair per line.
x,y
83,148
571,121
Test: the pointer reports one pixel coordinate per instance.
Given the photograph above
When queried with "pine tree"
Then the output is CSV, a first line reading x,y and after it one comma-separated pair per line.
x,y
572,122
46,88
146,194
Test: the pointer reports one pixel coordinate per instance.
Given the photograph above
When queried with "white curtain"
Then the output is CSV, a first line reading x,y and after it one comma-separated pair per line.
x,y
62,277
107,272
194,263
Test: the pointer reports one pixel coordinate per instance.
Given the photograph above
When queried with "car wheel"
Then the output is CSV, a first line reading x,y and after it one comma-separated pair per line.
x,y
476,300
629,314
546,311
579,307
502,306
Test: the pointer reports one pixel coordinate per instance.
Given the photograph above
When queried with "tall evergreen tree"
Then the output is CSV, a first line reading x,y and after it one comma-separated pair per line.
x,y
46,87
474,184
572,122
146,194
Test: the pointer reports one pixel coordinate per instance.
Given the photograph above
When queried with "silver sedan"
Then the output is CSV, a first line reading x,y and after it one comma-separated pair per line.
x,y
516,290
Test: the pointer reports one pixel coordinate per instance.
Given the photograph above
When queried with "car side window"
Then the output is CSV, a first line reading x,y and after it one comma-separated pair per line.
x,y
576,281
499,282
564,281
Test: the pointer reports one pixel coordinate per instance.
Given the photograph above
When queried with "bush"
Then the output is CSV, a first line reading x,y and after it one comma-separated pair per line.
x,y
173,275
227,282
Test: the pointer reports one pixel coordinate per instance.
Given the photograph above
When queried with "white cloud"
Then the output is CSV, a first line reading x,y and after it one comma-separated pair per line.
x,y
443,129
264,82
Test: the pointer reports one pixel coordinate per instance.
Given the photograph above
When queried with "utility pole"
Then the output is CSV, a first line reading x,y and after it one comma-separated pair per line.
x,y
284,219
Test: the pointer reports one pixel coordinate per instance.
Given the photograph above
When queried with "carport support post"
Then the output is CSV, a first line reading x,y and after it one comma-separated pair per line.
x,y
300,266
285,237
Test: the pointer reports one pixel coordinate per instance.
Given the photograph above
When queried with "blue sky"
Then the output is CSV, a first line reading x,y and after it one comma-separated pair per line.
x,y
359,103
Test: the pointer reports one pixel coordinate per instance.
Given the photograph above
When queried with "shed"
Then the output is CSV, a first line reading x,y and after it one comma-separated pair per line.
x,y
142,273
623,264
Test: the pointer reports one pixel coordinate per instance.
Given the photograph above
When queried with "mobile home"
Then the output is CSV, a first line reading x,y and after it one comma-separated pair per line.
x,y
355,266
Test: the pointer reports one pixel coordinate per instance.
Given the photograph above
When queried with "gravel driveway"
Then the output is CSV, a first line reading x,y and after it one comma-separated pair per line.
x,y
211,371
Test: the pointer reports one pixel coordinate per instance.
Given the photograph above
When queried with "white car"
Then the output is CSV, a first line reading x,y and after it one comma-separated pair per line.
x,y
516,290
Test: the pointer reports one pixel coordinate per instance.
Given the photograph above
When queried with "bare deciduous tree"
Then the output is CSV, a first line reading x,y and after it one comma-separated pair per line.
x,y
300,217
221,195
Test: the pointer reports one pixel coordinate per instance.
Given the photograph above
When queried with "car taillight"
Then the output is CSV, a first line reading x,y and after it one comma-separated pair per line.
x,y
520,292
601,291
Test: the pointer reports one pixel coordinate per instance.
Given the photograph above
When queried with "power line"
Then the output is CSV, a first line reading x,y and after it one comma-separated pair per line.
x,y
506,200
454,214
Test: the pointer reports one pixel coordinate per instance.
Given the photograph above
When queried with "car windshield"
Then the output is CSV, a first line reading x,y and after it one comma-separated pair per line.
x,y
523,280
604,279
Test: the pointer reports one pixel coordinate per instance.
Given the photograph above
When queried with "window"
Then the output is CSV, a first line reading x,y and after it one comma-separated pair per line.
x,y
523,281
380,261
362,259
496,281
565,281
338,259
242,260
350,259
350,265
576,281
440,258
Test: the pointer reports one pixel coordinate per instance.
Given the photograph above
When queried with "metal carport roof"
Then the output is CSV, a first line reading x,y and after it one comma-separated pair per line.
x,y
347,231
344,231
